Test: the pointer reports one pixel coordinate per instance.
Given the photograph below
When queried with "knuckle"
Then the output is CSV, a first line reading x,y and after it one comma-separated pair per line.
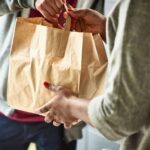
x,y
58,96
38,6
45,109
42,5
41,1
42,110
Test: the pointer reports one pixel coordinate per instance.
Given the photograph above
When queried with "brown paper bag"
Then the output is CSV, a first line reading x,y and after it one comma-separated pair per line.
x,y
39,53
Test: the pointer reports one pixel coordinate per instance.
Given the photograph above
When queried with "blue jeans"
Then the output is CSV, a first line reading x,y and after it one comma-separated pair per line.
x,y
18,135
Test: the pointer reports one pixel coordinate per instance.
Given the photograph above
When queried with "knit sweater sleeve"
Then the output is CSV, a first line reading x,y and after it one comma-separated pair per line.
x,y
10,6
124,108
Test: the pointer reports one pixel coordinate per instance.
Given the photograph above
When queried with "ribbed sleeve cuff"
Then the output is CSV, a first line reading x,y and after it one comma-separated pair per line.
x,y
100,121
27,3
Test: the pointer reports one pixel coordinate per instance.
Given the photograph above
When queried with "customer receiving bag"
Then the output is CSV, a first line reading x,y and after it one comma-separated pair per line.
x,y
40,52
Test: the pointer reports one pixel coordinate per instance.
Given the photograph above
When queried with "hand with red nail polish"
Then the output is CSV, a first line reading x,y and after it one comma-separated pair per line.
x,y
64,107
57,109
50,9
89,20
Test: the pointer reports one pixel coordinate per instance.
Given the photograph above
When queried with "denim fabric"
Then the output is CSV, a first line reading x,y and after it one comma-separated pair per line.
x,y
18,135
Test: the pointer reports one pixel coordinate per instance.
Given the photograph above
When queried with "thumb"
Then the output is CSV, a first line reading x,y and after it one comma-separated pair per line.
x,y
77,13
64,1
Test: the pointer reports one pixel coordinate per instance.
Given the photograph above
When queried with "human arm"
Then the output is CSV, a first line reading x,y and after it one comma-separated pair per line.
x,y
48,8
124,108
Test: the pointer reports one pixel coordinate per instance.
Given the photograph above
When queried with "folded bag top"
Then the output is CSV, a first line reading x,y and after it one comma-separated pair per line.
x,y
40,52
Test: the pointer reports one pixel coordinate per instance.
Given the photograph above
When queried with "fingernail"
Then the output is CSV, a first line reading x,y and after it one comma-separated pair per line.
x,y
69,9
47,120
46,84
65,14
57,15
67,126
56,124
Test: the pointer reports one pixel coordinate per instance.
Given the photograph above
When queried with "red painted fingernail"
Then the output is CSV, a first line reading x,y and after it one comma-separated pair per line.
x,y
46,84
69,9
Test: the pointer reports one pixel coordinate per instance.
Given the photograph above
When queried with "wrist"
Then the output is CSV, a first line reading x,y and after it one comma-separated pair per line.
x,y
78,108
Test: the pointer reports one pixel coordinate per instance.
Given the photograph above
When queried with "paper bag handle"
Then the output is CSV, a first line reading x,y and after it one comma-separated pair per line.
x,y
67,25
81,25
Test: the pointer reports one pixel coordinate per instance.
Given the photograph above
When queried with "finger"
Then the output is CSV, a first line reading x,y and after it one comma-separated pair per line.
x,y
60,26
59,3
70,8
48,106
56,88
67,126
40,6
73,14
46,15
43,109
49,9
57,124
56,121
64,1
52,87
59,89
80,25
81,12
77,26
65,15
76,13
54,6
49,117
